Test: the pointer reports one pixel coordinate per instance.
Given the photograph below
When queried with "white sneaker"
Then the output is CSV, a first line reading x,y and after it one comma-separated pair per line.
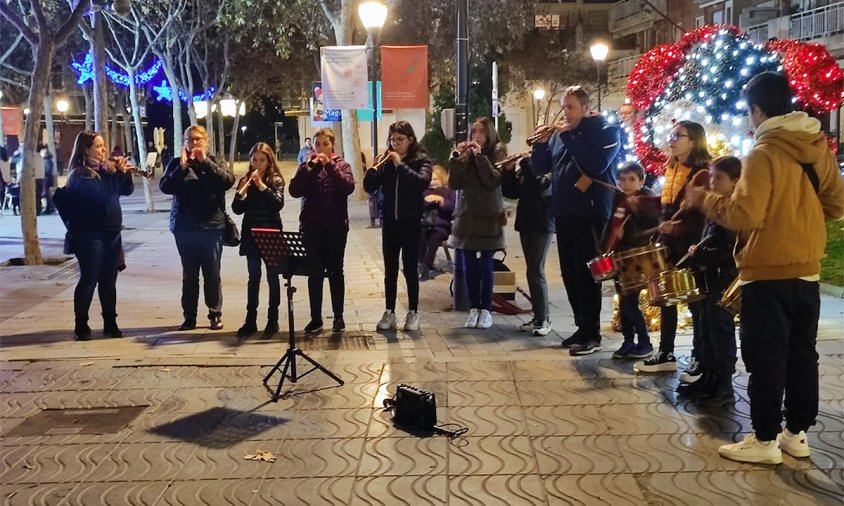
x,y
752,450
387,321
543,329
472,320
794,444
485,319
529,326
411,321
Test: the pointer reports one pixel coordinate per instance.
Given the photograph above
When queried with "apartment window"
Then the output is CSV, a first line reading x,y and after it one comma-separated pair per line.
x,y
718,17
698,21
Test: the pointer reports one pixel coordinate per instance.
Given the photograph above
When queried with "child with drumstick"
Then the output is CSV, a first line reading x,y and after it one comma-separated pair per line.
x,y
630,229
714,256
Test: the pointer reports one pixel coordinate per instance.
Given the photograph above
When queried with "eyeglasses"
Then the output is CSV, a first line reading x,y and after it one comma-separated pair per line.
x,y
195,140
398,139
676,137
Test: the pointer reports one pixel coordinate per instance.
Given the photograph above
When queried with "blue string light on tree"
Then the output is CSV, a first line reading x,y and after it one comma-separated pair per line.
x,y
86,73
163,90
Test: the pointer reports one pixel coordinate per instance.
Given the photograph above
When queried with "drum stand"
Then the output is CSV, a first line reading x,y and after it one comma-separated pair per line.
x,y
276,246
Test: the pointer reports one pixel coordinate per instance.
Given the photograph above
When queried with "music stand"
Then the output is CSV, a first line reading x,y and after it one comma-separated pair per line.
x,y
276,248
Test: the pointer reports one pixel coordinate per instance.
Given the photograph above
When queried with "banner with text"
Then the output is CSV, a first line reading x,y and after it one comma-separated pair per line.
x,y
318,111
343,71
404,71
12,120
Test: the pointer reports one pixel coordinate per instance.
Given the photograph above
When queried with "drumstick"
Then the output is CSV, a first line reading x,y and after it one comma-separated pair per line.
x,y
613,240
687,255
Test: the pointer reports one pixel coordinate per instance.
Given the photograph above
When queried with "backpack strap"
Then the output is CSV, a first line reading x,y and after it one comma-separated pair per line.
x,y
809,169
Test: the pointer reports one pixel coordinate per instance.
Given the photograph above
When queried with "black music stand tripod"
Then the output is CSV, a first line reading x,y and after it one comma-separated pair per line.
x,y
276,246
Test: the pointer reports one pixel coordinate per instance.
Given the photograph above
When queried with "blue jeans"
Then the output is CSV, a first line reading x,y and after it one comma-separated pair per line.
x,y
201,250
97,253
632,320
478,269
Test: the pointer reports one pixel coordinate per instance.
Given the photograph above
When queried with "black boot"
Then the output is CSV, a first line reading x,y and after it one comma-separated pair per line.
x,y
698,388
82,331
249,327
271,329
720,391
110,328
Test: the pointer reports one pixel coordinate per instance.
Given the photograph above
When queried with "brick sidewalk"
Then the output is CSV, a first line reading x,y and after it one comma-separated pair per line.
x,y
180,410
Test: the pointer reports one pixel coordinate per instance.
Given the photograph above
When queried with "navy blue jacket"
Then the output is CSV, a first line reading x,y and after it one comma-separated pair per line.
x,y
96,199
597,148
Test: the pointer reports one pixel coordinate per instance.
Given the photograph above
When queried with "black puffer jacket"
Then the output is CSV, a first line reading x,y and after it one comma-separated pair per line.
x,y
534,193
401,187
199,194
260,209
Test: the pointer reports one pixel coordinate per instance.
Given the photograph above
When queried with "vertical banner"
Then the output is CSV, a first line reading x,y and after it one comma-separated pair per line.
x,y
12,121
318,110
366,114
343,71
404,71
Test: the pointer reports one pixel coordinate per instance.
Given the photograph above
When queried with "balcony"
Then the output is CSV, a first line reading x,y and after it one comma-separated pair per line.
x,y
816,23
822,22
620,69
633,16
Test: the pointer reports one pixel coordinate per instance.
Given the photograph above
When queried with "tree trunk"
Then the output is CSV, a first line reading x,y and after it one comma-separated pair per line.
x,y
51,130
100,82
127,134
139,133
192,113
233,147
113,131
209,126
32,128
342,25
221,136
89,108
170,72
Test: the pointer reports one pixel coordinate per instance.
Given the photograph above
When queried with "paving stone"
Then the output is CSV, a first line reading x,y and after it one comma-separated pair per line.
x,y
502,490
335,490
405,490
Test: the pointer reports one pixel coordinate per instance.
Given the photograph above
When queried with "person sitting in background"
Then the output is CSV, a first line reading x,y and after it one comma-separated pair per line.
x,y
436,220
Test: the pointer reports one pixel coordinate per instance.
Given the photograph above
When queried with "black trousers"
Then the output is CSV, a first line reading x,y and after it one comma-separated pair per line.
x,y
577,243
779,327
668,326
717,337
97,253
401,238
329,245
200,250
253,288
632,320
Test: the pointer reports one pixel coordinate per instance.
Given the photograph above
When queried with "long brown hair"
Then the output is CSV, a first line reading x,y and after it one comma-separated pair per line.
x,y
83,142
699,158
492,139
274,170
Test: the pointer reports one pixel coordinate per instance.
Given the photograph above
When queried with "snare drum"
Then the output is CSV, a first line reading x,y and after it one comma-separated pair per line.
x,y
638,265
673,287
602,267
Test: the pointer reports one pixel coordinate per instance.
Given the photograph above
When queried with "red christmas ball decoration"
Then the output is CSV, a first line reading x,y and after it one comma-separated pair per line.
x,y
652,73
814,75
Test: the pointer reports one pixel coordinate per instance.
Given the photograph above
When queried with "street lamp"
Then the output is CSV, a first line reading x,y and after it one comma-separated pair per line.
x,y
599,52
538,95
62,105
372,15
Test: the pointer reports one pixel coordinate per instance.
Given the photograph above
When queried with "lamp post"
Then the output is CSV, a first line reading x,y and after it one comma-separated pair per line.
x,y
372,15
538,95
599,52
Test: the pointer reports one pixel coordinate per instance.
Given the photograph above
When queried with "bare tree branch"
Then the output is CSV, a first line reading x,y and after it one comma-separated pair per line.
x,y
19,24
71,23
11,48
18,70
40,19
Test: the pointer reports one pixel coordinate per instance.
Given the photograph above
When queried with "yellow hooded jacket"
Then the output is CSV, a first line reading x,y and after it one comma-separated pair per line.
x,y
778,217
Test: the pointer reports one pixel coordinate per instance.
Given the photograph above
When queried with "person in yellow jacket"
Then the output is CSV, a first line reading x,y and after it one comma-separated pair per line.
x,y
789,186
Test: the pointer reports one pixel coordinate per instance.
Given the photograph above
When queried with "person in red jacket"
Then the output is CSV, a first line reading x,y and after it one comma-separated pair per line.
x,y
324,182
